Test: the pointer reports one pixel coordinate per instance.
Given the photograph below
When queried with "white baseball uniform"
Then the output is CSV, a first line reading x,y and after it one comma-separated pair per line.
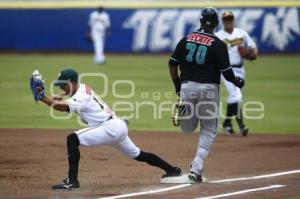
x,y
99,22
104,128
237,38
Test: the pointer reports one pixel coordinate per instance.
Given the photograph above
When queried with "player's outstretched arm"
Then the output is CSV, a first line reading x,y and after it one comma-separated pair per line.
x,y
59,96
58,105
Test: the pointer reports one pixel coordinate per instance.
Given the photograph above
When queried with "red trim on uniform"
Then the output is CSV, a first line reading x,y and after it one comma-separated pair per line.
x,y
200,39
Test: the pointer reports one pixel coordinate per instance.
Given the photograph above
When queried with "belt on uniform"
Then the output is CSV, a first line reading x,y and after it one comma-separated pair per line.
x,y
187,81
237,66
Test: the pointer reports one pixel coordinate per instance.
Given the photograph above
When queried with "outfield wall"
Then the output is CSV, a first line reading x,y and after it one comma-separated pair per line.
x,y
149,29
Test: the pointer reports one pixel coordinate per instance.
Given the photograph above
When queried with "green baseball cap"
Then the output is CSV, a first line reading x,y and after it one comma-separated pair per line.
x,y
65,76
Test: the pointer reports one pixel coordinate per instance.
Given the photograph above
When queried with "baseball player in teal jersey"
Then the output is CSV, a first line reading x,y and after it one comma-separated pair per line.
x,y
104,127
201,58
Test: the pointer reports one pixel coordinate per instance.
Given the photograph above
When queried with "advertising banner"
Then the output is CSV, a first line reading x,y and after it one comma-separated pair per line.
x,y
275,30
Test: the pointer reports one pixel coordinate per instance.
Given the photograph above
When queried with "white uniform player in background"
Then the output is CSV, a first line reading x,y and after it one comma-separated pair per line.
x,y
240,47
99,27
104,128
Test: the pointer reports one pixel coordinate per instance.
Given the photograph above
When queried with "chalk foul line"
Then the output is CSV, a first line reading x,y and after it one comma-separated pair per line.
x,y
243,191
148,192
215,181
256,177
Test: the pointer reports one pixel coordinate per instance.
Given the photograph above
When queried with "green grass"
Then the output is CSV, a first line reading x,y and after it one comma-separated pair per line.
x,y
273,80
295,197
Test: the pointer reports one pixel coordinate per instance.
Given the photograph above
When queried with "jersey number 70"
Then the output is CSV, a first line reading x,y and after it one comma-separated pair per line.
x,y
200,54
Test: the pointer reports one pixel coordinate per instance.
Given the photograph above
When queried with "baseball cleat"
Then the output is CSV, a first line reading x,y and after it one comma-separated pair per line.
x,y
66,184
175,172
244,130
195,177
178,112
228,129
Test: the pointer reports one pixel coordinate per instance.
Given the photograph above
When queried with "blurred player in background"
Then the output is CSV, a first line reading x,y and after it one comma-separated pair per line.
x,y
98,28
240,46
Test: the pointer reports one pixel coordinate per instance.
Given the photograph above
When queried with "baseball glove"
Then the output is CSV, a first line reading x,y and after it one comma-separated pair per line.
x,y
37,86
247,53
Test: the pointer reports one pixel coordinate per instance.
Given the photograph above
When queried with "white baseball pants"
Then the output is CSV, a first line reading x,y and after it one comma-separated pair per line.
x,y
234,93
113,132
98,37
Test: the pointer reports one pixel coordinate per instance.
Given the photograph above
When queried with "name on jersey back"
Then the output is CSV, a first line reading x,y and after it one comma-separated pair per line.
x,y
200,39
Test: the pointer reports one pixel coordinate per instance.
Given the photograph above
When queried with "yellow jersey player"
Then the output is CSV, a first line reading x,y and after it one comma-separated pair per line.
x,y
240,47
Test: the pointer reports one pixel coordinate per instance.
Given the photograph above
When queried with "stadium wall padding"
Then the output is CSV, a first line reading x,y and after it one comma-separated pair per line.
x,y
275,30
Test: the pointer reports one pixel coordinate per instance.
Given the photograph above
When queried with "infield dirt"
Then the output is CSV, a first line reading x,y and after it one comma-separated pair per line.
x,y
31,161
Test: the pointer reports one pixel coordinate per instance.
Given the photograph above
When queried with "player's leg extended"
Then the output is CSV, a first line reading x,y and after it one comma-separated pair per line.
x,y
128,148
240,72
91,136
73,156
131,150
239,118
73,159
189,121
208,111
234,97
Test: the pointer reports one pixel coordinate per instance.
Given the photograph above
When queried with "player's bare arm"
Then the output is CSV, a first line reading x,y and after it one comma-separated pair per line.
x,y
60,96
58,105
173,69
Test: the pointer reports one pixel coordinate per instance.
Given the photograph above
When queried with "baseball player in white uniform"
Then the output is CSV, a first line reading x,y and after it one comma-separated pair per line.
x,y
99,26
240,47
104,127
